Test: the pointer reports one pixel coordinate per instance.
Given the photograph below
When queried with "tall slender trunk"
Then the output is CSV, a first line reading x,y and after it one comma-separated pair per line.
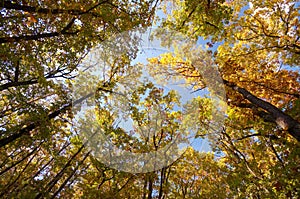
x,y
150,187
70,176
52,183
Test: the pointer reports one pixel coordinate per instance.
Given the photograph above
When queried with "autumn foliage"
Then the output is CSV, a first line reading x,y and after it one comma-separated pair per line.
x,y
251,51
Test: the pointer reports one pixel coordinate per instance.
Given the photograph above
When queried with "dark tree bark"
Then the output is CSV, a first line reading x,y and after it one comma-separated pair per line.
x,y
52,183
150,187
26,130
34,37
21,160
162,179
15,6
283,120
16,84
70,176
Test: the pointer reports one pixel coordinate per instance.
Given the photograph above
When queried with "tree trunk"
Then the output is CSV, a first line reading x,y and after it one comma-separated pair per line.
x,y
283,120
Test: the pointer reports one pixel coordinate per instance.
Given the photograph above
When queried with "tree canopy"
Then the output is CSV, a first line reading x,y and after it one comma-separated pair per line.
x,y
244,55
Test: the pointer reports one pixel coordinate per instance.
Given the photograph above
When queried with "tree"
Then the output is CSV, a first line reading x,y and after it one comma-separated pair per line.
x,y
253,132
42,48
257,50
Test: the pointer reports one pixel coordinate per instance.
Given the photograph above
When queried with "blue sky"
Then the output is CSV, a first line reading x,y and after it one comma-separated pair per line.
x,y
151,49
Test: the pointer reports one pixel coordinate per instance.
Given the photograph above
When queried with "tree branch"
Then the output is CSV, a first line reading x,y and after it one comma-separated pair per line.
x,y
9,5
283,120
26,130
70,176
34,37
